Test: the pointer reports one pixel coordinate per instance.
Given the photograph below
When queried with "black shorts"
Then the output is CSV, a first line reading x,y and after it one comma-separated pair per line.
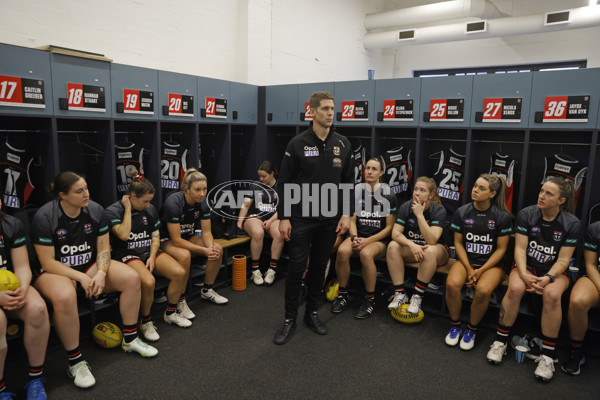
x,y
126,259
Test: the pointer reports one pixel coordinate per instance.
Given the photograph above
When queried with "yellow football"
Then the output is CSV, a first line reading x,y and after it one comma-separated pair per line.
x,y
400,314
107,335
8,280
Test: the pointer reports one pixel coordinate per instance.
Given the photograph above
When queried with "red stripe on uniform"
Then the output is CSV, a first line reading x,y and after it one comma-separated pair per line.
x,y
503,330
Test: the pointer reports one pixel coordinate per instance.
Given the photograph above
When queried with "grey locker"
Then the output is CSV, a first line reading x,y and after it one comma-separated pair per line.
x,y
129,77
217,89
355,91
505,86
397,89
27,63
244,101
451,87
67,69
282,105
304,93
181,84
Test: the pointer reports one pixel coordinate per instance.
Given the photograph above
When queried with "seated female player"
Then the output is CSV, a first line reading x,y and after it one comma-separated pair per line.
x,y
419,225
70,235
24,303
370,230
182,213
546,235
481,234
259,215
135,241
584,295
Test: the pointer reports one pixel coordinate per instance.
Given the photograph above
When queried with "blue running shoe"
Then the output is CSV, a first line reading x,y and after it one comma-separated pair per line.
x,y
468,340
35,389
7,396
453,335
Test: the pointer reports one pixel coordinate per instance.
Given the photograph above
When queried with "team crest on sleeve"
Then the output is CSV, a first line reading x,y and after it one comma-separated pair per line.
x,y
469,221
557,235
535,230
336,150
144,220
61,233
491,224
87,228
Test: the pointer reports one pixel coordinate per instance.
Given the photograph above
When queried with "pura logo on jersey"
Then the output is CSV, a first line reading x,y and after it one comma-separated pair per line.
x,y
541,253
478,243
311,151
416,237
227,198
75,255
138,240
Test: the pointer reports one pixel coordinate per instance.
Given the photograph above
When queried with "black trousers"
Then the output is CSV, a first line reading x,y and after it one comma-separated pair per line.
x,y
314,237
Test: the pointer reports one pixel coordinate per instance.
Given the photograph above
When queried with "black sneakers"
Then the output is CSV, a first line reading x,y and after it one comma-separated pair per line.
x,y
573,365
311,319
340,303
285,333
365,310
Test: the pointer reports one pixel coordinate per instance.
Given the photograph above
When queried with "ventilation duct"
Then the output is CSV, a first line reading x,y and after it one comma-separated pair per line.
x,y
583,17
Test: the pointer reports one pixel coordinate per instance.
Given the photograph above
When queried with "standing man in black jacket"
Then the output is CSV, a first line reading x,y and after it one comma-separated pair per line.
x,y
315,203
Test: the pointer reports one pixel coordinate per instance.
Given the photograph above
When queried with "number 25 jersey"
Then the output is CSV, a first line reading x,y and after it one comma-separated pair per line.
x,y
449,178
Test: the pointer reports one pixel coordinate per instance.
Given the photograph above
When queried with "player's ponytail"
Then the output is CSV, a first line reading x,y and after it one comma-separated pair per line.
x,y
268,167
139,185
432,186
497,184
567,190
63,182
192,175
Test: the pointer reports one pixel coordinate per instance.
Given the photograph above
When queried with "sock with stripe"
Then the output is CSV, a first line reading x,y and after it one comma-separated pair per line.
x,y
2,385
549,346
36,372
472,327
456,324
420,288
146,318
343,291
577,345
183,297
273,264
171,308
502,333
370,296
399,288
74,356
129,333
255,264
207,287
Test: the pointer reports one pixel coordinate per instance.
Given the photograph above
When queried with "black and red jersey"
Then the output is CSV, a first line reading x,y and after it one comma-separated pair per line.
x,y
173,164
592,240
480,231
15,183
435,215
504,166
371,208
565,167
361,156
177,211
12,236
264,202
545,238
449,178
398,171
128,156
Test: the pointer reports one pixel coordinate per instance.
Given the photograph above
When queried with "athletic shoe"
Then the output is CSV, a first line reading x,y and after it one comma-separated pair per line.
x,y
497,351
285,332
545,368
468,340
82,375
453,335
340,303
573,365
7,396
161,298
184,310
366,309
140,347
257,278
398,299
149,331
35,389
177,319
415,304
270,276
213,296
534,345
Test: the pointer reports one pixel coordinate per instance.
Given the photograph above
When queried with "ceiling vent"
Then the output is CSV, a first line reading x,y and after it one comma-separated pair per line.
x,y
477,26
559,17
406,35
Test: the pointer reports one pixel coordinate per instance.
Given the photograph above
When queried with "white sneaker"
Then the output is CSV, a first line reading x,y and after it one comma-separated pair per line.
x,y
184,310
497,351
149,331
140,347
545,367
397,300
213,296
82,375
257,278
415,304
270,276
177,319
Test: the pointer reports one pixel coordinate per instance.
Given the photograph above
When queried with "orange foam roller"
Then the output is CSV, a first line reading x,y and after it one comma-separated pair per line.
x,y
239,272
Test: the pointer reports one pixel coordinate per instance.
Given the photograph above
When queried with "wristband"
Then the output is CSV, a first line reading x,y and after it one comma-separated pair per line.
x,y
353,237
551,277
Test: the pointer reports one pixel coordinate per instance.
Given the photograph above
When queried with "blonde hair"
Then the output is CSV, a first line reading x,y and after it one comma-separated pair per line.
x,y
192,175
432,186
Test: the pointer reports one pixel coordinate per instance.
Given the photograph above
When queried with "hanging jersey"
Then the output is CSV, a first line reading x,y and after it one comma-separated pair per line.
x,y
592,240
199,156
504,166
361,155
73,239
372,210
564,167
264,203
143,223
128,156
435,215
177,211
15,183
398,171
480,231
12,236
545,238
173,165
449,178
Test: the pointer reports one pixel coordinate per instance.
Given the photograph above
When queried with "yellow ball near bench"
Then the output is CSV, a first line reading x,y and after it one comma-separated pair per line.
x,y
8,280
402,315
107,335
